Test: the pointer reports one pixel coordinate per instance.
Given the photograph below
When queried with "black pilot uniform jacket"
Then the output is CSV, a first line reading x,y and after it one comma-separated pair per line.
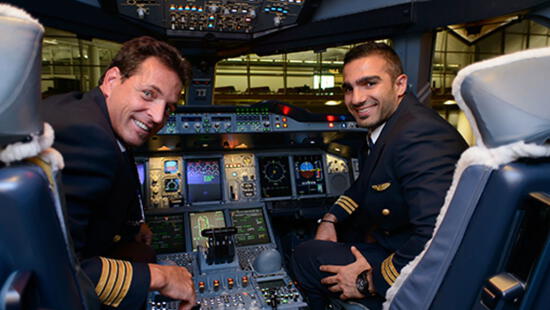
x,y
101,191
402,186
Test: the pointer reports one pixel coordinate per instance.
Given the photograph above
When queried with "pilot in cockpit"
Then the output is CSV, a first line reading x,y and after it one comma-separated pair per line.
x,y
95,132
390,210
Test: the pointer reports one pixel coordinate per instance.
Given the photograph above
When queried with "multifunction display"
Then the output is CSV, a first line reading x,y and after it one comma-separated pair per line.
x,y
168,234
275,176
201,221
203,180
308,173
251,227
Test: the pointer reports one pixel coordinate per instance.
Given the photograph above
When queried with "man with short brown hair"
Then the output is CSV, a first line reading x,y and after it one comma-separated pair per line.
x,y
94,132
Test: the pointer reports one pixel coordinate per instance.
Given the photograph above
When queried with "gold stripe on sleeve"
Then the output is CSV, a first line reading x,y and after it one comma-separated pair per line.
x,y
384,272
391,266
348,204
344,206
118,281
388,270
105,270
111,279
353,204
127,280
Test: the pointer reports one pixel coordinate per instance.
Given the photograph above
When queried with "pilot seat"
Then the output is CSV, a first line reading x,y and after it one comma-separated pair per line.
x,y
38,268
490,247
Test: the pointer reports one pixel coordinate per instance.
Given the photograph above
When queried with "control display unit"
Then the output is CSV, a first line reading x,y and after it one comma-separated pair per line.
x,y
275,176
203,180
309,174
272,284
201,221
168,234
251,227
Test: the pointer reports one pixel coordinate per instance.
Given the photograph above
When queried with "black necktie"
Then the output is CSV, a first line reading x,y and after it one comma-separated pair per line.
x,y
370,144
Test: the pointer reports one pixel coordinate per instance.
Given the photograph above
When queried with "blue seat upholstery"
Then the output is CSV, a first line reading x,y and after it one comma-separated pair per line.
x,y
477,233
33,241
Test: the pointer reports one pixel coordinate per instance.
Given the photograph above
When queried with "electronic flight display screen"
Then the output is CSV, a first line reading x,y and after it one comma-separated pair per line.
x,y
201,221
168,234
170,166
308,173
251,227
203,180
275,176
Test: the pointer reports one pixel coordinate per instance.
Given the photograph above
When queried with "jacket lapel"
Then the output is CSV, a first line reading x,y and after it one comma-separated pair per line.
x,y
374,156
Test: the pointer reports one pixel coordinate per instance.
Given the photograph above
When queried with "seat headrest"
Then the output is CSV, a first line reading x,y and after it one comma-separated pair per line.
x,y
507,98
20,50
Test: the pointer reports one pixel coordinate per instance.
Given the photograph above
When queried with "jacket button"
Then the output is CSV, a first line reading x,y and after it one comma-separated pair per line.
x,y
117,238
386,212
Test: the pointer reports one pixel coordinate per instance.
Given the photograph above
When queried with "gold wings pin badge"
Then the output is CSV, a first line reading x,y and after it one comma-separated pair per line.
x,y
381,187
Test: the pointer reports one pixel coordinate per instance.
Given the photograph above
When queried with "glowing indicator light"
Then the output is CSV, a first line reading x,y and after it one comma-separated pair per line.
x,y
331,118
285,125
286,111
331,125
284,119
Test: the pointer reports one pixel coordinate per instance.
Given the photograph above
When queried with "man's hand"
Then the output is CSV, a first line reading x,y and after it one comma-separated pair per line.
x,y
327,231
174,282
346,276
145,235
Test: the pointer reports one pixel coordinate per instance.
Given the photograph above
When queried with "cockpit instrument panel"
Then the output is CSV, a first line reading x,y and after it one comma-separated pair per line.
x,y
168,233
228,19
275,176
203,177
251,227
201,221
165,182
240,174
309,174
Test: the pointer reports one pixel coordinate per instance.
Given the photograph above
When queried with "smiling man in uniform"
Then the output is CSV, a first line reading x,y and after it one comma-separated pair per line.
x,y
95,132
409,158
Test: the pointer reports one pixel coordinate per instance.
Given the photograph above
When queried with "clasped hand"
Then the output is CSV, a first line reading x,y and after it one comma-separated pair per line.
x,y
344,278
